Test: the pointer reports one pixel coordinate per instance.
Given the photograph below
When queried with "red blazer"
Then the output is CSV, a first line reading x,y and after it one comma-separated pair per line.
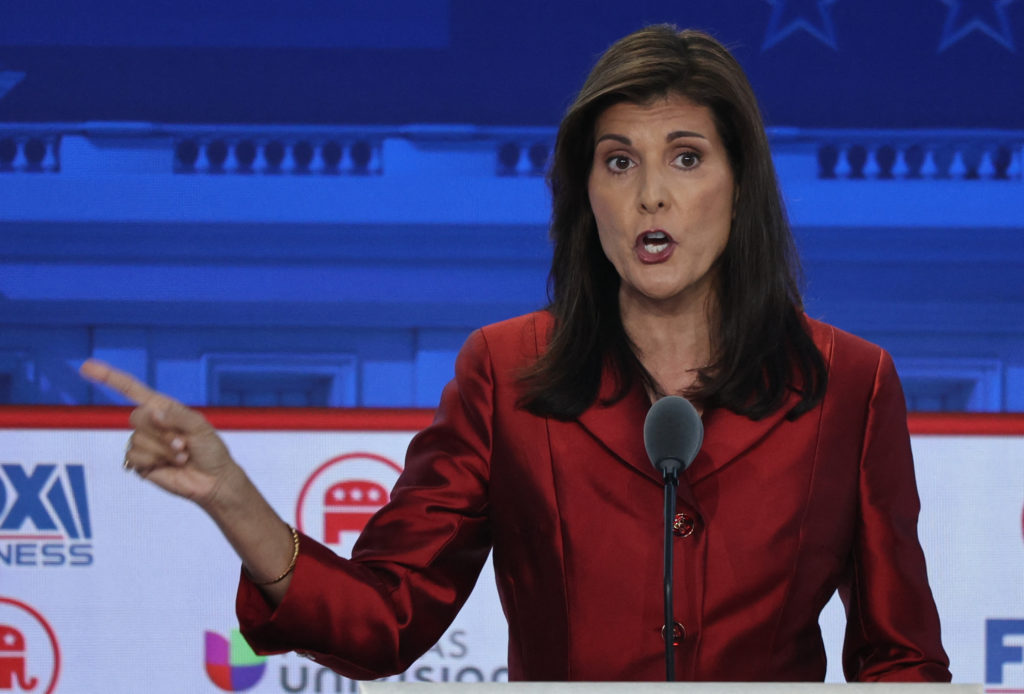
x,y
783,513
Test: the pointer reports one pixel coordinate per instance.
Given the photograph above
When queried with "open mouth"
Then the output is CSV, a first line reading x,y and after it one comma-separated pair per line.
x,y
654,246
655,242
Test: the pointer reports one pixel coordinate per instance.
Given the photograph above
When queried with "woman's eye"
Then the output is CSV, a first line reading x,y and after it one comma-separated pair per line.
x,y
619,164
688,160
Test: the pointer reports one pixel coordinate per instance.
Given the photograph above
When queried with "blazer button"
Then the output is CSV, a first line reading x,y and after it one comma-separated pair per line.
x,y
683,525
678,633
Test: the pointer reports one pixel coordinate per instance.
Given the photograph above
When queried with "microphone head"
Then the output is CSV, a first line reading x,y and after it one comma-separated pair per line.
x,y
673,431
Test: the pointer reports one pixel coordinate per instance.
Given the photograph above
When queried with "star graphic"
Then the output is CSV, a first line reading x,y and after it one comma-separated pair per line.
x,y
966,16
9,79
790,16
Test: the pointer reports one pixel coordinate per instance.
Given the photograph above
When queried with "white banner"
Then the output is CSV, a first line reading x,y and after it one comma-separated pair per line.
x,y
107,584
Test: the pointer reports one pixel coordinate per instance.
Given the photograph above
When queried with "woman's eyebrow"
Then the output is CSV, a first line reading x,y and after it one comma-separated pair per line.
x,y
683,133
618,138
668,138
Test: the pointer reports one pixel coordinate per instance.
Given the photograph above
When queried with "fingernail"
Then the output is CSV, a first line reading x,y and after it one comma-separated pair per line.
x,y
181,458
177,444
160,415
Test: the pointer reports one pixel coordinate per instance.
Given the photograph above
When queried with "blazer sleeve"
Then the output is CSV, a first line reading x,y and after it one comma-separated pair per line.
x,y
415,563
892,631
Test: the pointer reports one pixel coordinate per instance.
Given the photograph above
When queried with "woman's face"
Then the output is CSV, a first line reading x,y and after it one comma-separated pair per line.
x,y
662,192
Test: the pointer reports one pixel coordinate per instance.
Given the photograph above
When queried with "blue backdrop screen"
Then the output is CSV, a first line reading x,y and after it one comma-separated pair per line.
x,y
814,63
192,23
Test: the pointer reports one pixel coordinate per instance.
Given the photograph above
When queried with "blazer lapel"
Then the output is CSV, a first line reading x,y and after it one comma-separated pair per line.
x,y
728,435
620,426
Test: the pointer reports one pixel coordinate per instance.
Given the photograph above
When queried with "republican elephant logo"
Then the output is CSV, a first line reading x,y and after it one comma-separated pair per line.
x,y
341,495
29,652
14,660
348,505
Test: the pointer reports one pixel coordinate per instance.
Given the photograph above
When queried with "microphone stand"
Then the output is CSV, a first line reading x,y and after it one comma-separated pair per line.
x,y
670,474
673,433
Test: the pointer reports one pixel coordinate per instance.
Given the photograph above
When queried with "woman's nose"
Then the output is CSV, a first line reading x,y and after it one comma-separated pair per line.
x,y
652,194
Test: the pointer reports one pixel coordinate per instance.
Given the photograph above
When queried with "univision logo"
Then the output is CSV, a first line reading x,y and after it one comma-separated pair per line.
x,y
231,663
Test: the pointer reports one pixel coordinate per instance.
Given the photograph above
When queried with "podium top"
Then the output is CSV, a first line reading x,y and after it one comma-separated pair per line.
x,y
663,688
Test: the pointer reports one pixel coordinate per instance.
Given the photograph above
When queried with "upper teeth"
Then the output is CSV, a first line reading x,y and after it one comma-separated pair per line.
x,y
656,241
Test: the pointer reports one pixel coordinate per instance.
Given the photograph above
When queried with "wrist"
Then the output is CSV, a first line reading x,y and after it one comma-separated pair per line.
x,y
263,583
232,493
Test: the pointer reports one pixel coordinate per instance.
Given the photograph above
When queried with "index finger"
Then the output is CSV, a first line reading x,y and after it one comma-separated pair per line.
x,y
123,382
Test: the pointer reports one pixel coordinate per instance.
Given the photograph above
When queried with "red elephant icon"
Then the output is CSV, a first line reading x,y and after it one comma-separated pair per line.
x,y
348,505
12,660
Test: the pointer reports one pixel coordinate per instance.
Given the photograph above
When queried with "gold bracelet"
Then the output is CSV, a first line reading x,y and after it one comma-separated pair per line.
x,y
291,564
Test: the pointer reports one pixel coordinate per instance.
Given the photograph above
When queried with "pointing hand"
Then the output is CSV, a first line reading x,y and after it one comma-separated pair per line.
x,y
171,445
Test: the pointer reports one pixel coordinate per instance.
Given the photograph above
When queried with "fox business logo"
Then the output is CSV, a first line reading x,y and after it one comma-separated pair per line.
x,y
1004,655
44,516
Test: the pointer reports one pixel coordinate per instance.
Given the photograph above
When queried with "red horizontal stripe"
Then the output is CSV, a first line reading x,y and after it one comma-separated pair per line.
x,y
225,418
374,419
967,423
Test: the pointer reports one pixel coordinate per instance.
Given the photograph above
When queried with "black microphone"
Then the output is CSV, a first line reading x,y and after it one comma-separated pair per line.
x,y
673,434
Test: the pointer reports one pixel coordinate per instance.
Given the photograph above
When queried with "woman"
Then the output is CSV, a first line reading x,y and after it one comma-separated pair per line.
x,y
673,272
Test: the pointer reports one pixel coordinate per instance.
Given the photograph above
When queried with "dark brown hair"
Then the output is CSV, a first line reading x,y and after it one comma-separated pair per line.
x,y
761,345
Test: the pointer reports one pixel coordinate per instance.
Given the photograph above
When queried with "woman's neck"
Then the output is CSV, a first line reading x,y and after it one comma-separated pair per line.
x,y
673,340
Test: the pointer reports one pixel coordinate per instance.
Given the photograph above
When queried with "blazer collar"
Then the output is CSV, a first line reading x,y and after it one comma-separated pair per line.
x,y
619,427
